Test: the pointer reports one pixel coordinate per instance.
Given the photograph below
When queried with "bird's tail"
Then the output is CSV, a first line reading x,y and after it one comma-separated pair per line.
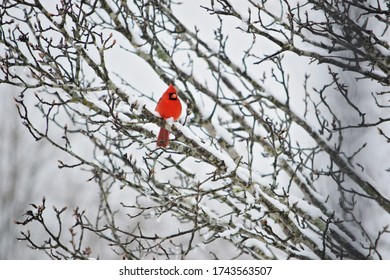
x,y
163,138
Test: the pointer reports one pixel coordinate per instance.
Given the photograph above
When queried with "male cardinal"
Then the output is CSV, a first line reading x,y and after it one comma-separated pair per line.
x,y
168,106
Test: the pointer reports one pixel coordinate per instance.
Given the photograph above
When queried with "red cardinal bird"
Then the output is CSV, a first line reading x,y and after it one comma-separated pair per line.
x,y
168,106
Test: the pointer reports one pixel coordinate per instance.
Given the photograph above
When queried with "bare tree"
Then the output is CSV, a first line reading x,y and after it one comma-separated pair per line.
x,y
28,170
266,160
12,161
